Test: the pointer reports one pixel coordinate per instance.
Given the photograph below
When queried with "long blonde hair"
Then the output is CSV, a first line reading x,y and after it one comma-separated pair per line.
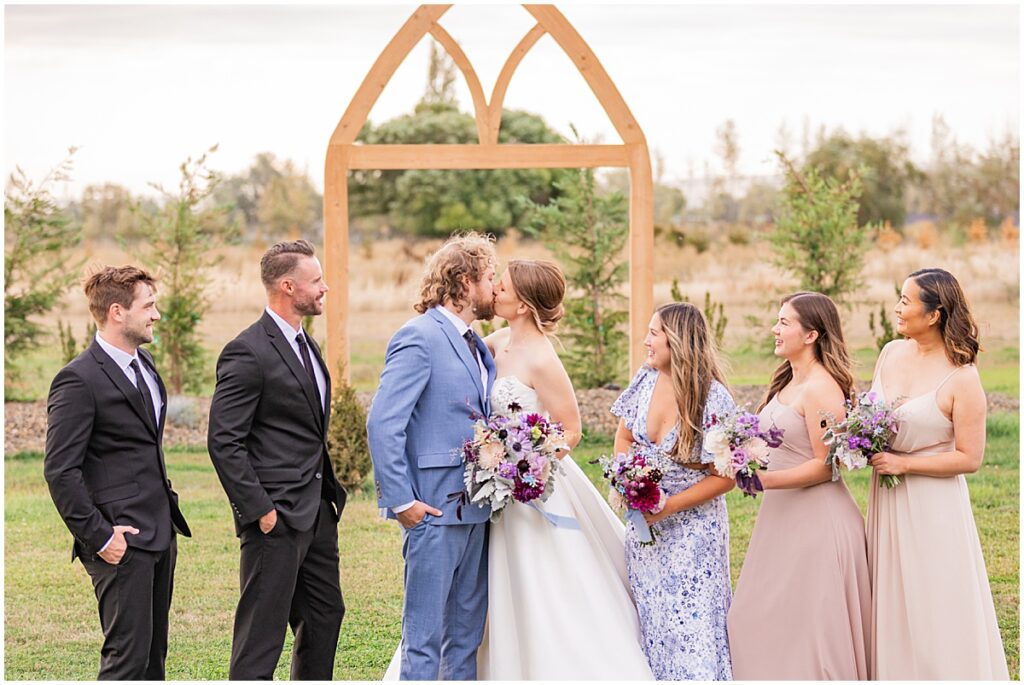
x,y
817,312
467,254
695,365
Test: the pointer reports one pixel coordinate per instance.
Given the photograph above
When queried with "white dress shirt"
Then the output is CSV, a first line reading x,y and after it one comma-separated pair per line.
x,y
290,334
124,361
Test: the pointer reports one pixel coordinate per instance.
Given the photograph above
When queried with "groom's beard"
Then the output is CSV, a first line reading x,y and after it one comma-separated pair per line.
x,y
483,311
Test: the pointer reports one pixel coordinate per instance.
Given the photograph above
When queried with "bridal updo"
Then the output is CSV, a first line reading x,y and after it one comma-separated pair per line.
x,y
540,285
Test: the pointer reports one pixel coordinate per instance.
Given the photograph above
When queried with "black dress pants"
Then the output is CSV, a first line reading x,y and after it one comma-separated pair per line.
x,y
288,577
134,600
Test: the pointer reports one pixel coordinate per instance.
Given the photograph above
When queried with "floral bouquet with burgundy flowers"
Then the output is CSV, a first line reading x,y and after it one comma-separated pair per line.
x,y
511,458
869,428
634,490
740,448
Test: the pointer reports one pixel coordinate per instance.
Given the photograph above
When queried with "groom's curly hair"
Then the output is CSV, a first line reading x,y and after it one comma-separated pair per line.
x,y
468,254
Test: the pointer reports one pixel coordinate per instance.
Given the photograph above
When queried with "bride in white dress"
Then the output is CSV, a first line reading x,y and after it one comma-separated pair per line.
x,y
560,607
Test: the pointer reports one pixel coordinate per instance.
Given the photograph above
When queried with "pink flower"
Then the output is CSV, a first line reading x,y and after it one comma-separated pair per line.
x,y
491,455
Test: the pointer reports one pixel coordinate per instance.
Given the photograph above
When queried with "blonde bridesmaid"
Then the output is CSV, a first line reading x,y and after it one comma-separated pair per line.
x,y
803,600
933,612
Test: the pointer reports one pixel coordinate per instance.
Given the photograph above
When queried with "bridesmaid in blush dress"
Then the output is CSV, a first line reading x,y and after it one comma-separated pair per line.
x,y
806,566
681,582
933,612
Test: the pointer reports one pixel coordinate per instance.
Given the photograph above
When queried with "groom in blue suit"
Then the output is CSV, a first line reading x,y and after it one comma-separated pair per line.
x,y
436,382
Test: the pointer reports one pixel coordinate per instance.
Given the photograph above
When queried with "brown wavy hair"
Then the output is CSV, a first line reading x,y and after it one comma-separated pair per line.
x,y
540,285
941,291
111,285
817,312
695,365
467,254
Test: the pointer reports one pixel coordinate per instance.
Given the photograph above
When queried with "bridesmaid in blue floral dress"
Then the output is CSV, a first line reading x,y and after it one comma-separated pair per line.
x,y
680,583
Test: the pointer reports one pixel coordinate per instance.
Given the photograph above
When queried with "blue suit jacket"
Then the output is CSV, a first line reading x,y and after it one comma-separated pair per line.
x,y
429,396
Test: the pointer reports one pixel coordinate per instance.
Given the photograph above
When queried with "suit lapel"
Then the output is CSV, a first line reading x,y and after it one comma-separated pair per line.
x,y
130,392
291,360
462,350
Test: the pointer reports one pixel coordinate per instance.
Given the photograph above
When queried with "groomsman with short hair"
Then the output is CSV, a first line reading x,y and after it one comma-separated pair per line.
x,y
268,443
104,466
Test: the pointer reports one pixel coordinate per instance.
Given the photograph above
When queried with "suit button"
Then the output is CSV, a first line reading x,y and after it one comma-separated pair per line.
x,y
318,475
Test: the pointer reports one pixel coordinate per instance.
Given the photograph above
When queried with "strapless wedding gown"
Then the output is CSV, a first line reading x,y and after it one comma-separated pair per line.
x,y
560,606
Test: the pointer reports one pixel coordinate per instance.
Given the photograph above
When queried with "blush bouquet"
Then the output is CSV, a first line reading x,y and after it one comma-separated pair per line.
x,y
740,448
869,428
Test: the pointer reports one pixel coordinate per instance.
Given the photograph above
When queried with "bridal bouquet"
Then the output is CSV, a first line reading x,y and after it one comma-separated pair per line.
x,y
634,489
869,428
740,448
512,458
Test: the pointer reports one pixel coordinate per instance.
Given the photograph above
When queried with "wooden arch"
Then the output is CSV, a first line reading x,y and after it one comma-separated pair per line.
x,y
343,155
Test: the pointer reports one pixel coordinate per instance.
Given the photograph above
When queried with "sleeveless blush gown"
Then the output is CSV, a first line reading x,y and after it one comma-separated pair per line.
x,y
933,616
806,569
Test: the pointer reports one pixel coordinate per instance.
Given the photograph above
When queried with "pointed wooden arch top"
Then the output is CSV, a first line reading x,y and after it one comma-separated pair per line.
x,y
344,154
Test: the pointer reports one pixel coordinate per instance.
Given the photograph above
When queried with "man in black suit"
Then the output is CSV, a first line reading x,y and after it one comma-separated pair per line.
x,y
268,443
105,468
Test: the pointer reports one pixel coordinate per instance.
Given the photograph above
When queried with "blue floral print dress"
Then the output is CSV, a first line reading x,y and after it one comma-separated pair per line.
x,y
681,582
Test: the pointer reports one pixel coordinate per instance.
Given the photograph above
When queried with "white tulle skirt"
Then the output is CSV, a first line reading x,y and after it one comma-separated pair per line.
x,y
560,607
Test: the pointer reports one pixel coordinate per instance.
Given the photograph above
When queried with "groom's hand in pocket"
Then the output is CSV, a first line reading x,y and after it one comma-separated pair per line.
x,y
268,521
413,515
118,545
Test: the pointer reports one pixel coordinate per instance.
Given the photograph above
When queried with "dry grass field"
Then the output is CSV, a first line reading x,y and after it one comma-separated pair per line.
x,y
385,277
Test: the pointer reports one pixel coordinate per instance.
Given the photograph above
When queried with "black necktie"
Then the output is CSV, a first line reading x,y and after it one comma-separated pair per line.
x,y
471,341
143,388
307,361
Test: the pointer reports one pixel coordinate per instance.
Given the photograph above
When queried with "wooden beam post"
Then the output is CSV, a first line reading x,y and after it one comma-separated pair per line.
x,y
343,155
641,251
336,258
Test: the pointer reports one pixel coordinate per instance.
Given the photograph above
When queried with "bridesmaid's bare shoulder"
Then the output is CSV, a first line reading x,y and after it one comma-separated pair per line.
x,y
821,393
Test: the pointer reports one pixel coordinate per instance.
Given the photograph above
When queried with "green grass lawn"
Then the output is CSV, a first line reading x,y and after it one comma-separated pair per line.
x,y
52,630
999,368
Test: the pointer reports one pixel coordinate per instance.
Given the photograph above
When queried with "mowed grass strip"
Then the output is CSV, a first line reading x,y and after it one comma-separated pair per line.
x,y
52,627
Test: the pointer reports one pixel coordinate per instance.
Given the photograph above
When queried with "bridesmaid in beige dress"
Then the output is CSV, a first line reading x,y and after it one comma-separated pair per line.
x,y
803,600
933,612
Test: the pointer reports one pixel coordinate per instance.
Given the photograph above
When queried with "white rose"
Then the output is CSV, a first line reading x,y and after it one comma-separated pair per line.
x,y
717,443
615,500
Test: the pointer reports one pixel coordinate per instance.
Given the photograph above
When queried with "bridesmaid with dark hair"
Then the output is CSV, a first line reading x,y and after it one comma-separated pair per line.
x,y
803,600
933,613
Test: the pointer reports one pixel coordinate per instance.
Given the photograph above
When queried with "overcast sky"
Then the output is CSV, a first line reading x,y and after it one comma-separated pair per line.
x,y
139,88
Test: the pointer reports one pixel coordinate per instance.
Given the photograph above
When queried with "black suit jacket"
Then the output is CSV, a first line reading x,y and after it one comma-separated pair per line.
x,y
268,430
104,459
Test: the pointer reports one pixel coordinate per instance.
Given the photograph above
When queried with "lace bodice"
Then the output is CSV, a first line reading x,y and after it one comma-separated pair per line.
x,y
508,390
